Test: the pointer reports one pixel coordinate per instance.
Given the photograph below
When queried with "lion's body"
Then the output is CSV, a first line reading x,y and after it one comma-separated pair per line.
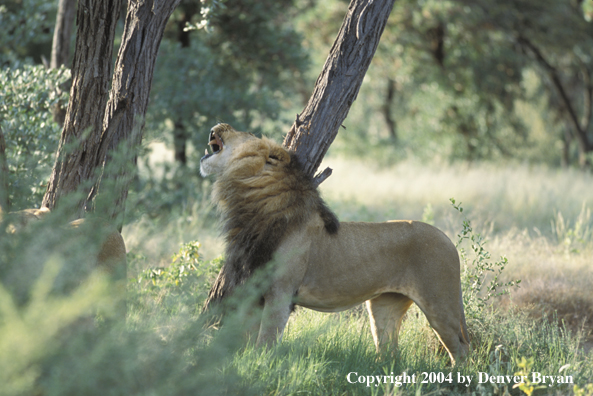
x,y
110,256
371,253
321,264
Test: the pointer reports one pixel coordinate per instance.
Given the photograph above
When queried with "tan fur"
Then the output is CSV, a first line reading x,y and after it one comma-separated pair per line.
x,y
322,266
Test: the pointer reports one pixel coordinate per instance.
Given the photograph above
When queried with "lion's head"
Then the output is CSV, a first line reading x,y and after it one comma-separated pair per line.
x,y
262,194
240,153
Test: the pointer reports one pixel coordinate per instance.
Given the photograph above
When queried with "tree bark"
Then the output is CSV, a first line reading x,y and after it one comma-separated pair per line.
x,y
60,49
124,117
337,86
81,136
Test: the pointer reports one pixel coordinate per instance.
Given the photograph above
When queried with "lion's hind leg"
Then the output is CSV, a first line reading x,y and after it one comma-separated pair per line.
x,y
386,313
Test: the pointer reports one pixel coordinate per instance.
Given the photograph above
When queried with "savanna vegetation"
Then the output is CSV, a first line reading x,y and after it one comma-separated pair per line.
x,y
488,103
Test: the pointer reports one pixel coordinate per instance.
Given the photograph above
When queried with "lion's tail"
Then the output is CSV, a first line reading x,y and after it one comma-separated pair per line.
x,y
463,324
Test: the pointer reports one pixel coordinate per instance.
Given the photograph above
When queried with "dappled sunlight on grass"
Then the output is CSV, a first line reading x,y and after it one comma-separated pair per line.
x,y
553,279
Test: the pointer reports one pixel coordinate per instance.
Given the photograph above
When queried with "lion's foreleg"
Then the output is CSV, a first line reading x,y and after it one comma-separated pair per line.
x,y
289,267
274,318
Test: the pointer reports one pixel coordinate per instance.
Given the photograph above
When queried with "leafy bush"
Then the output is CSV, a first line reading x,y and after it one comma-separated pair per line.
x,y
52,344
27,29
477,291
183,285
27,95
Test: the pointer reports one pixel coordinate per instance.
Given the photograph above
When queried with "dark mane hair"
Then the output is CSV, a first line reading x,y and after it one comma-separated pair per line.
x,y
255,220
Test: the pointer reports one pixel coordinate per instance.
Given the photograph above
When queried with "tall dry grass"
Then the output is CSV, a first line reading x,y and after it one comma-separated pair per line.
x,y
501,196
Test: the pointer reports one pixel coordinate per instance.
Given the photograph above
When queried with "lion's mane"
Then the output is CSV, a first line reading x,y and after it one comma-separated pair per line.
x,y
262,196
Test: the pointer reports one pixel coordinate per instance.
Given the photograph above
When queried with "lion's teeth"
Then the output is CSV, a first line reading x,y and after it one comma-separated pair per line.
x,y
206,152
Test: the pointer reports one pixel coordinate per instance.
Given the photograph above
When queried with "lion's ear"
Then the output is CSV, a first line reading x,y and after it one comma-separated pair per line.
x,y
279,154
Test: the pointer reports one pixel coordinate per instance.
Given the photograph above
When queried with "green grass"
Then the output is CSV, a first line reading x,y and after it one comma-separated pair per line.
x,y
52,343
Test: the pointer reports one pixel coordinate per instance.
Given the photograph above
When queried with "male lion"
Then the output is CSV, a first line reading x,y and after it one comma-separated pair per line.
x,y
271,210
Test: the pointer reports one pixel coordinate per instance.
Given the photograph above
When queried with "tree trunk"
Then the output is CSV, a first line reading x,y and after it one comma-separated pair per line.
x,y
98,121
566,139
132,80
391,123
180,143
337,86
4,201
60,49
75,163
184,38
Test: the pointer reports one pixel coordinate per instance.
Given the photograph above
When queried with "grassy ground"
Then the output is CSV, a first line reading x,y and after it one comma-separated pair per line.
x,y
537,217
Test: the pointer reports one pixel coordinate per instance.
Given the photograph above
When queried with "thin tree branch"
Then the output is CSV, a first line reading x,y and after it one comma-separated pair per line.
x,y
555,78
320,178
587,99
4,197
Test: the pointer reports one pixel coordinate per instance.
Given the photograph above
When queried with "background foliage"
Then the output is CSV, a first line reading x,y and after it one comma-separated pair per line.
x,y
452,80
28,95
27,30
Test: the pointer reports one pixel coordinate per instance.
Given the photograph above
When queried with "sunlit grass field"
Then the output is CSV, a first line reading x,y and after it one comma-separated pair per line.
x,y
538,218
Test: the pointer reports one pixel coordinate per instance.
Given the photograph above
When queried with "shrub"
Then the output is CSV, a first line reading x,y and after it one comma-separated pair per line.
x,y
477,265
27,95
183,285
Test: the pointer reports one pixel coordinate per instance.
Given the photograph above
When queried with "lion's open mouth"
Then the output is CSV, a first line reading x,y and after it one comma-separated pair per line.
x,y
215,143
